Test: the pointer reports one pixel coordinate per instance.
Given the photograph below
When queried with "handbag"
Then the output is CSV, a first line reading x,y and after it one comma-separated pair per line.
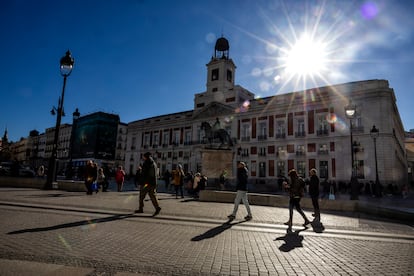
x,y
95,186
331,194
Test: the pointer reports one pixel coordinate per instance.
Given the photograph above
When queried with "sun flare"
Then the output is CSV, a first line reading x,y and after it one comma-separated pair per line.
x,y
306,58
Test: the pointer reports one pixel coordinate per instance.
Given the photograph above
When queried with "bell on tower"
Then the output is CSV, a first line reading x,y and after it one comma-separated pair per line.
x,y
221,50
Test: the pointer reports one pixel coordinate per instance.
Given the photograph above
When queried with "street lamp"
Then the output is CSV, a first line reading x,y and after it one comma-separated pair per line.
x,y
374,134
350,111
66,66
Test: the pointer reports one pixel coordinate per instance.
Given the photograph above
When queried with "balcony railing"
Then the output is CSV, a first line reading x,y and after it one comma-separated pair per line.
x,y
322,132
280,135
300,134
245,139
262,137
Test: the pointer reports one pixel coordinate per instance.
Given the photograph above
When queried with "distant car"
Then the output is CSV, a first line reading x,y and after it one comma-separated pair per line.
x,y
6,168
26,172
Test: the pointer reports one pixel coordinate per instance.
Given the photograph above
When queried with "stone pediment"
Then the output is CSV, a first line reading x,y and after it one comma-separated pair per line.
x,y
213,110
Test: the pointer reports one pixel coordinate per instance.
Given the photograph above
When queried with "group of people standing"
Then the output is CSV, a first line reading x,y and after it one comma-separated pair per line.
x,y
96,179
178,181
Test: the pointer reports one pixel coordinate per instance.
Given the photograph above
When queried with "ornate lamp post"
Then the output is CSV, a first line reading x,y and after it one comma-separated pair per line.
x,y
66,66
374,134
350,111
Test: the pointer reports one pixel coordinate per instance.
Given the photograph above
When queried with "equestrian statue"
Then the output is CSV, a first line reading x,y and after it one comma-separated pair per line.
x,y
214,133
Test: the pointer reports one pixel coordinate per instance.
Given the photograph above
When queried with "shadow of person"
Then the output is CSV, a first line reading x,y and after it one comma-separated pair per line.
x,y
317,226
292,240
72,224
216,230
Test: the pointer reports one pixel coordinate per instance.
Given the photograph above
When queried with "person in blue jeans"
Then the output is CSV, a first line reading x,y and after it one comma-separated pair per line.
x,y
296,190
241,195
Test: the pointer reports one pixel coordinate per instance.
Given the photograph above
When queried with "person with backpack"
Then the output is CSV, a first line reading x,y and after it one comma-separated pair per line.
x,y
295,188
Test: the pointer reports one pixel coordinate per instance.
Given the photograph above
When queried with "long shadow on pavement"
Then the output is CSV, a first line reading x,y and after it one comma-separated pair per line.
x,y
216,230
292,240
71,224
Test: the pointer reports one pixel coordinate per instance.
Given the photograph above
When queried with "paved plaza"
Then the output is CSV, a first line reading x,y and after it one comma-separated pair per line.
x,y
69,233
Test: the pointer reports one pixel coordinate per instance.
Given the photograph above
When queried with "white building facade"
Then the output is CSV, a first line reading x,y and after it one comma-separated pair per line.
x,y
301,130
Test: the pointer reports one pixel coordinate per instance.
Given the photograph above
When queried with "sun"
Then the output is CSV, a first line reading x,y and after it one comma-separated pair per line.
x,y
307,58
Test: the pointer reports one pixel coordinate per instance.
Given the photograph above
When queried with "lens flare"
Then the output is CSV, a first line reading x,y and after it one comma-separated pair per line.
x,y
64,242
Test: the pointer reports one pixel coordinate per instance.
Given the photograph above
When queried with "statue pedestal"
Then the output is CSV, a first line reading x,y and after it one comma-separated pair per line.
x,y
213,162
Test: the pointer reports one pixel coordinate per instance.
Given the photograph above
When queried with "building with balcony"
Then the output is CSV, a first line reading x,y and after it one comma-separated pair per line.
x,y
301,130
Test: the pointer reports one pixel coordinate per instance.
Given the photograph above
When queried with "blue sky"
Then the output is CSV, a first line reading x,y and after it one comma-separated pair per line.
x,y
146,58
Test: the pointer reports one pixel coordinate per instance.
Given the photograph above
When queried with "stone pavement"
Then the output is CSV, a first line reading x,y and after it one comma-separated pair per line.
x,y
69,233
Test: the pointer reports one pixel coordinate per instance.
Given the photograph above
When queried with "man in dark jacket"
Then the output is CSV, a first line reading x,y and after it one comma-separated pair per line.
x,y
148,184
314,193
241,192
295,188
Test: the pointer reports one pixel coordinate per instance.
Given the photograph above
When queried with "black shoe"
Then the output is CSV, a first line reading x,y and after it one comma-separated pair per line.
x,y
248,217
157,211
139,211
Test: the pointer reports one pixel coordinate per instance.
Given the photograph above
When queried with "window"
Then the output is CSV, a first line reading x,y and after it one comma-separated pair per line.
x,y
323,169
323,149
262,151
262,169
281,152
245,152
134,141
245,132
156,140
187,137
300,126
215,74
322,125
301,168
166,138
281,167
176,137
280,129
300,150
262,130
229,75
146,140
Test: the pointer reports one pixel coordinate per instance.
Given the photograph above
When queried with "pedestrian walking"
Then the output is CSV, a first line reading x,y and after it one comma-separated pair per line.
x,y
41,171
167,177
120,178
295,188
148,184
101,179
90,176
222,180
178,176
137,177
314,193
241,195
196,187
